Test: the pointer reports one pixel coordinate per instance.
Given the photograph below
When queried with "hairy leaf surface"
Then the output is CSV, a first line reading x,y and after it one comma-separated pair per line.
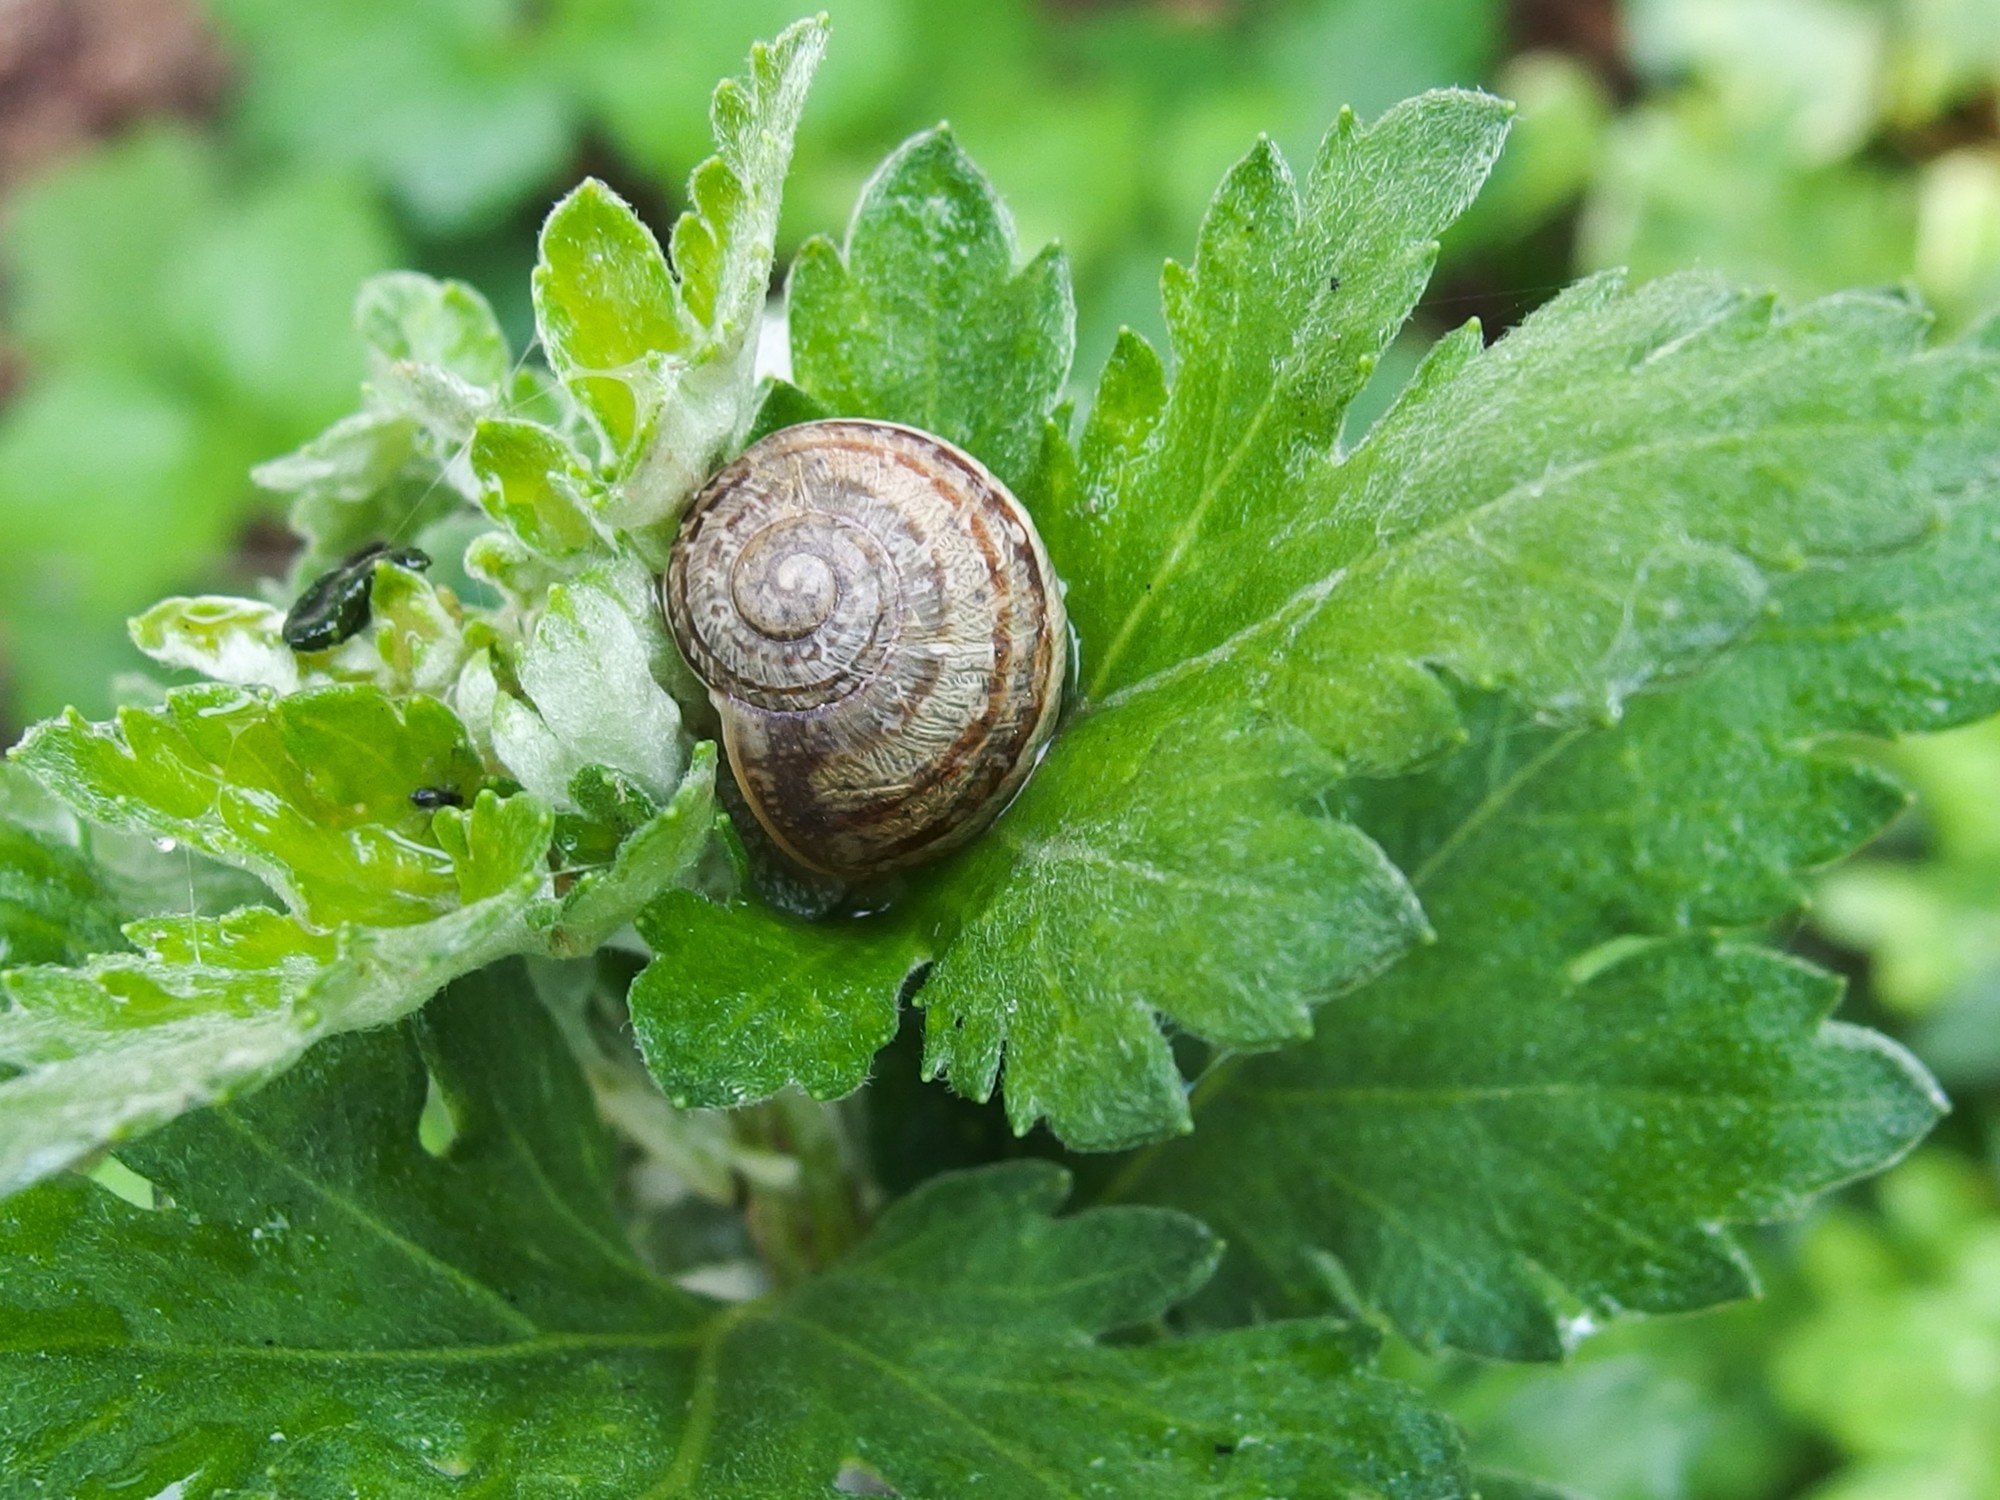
x,y
390,900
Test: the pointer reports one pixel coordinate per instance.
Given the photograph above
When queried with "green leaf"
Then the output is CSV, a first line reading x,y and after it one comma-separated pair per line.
x,y
414,643
435,353
592,697
663,357
1679,440
238,641
408,318
652,856
479,1317
373,475
605,304
1152,871
1279,324
437,364
309,792
208,1007
55,906
782,404
1565,1101
741,1001
924,319
535,485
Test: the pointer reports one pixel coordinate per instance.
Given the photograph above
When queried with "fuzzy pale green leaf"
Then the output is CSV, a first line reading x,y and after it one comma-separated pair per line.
x,y
203,1008
535,485
309,792
372,475
312,792
654,853
406,318
663,356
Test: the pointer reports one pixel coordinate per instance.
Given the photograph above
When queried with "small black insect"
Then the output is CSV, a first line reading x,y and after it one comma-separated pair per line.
x,y
430,798
1333,284
334,605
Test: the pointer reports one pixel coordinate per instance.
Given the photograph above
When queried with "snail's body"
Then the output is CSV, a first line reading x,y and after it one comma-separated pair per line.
x,y
880,632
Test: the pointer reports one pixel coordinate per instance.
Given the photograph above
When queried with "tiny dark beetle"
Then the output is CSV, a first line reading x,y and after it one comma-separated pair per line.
x,y
430,798
335,605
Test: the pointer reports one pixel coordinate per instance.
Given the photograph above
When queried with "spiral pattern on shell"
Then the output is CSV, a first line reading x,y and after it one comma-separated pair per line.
x,y
880,631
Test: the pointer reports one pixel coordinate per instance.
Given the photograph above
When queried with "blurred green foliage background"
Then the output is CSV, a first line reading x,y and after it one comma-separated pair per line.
x,y
190,193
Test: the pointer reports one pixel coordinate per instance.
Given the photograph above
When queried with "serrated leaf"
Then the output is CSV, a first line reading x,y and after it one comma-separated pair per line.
x,y
1567,1098
209,1007
663,357
310,792
1595,505
1290,301
1152,872
493,844
124,1042
480,1318
741,1001
923,318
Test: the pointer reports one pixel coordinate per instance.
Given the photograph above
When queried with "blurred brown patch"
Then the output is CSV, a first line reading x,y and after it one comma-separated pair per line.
x,y
1587,29
73,70
1971,122
264,548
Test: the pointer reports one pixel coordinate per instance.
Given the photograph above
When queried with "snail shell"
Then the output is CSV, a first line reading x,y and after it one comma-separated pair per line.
x,y
879,629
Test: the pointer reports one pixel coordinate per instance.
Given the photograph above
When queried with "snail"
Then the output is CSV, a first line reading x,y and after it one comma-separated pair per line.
x,y
880,632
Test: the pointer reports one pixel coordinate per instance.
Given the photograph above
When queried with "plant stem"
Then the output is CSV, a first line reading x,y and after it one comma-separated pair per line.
x,y
803,1225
